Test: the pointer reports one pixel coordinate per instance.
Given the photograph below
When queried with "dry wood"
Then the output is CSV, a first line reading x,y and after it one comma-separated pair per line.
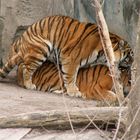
x,y
107,46
58,118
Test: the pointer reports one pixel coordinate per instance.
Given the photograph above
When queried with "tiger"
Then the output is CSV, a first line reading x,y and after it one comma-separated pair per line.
x,y
94,82
64,40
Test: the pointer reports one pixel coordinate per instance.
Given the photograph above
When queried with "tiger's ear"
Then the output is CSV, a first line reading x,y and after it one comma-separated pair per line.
x,y
123,45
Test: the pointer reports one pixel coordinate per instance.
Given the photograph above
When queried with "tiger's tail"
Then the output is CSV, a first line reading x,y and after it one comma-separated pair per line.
x,y
10,64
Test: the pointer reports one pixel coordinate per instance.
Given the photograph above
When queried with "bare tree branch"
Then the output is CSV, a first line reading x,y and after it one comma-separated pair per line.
x,y
108,50
59,118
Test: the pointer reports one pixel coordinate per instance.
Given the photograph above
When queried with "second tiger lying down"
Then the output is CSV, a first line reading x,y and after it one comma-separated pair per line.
x,y
93,82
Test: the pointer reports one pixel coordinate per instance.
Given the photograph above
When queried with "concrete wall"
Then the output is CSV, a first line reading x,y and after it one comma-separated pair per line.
x,y
121,16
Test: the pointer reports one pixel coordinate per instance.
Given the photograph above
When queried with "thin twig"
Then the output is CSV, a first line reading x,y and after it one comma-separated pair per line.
x,y
64,101
91,121
118,125
106,137
134,118
61,83
88,123
61,80
85,127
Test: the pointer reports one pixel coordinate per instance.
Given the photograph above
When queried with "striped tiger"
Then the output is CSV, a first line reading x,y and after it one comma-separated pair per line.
x,y
93,82
64,40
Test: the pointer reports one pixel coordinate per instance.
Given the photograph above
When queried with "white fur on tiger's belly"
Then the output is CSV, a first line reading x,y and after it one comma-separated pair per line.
x,y
90,60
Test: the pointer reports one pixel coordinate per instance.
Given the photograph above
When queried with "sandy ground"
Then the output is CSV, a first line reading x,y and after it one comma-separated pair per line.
x,y
44,134
25,101
17,100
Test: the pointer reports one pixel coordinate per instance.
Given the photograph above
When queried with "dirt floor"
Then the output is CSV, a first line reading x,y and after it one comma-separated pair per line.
x,y
17,100
44,134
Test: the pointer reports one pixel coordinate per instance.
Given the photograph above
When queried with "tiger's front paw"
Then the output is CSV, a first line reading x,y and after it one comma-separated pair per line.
x,y
58,91
32,86
29,85
73,91
110,96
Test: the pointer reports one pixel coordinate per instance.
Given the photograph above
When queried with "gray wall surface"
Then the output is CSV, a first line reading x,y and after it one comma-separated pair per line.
x,y
15,13
121,16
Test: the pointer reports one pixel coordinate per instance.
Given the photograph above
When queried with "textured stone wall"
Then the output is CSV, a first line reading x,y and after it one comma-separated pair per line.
x,y
121,16
15,13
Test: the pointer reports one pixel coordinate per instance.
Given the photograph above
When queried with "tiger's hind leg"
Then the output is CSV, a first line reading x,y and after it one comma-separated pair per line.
x,y
32,62
22,77
20,80
27,79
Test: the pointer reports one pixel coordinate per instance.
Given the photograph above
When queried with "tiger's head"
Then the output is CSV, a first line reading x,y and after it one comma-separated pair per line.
x,y
127,54
122,51
125,79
